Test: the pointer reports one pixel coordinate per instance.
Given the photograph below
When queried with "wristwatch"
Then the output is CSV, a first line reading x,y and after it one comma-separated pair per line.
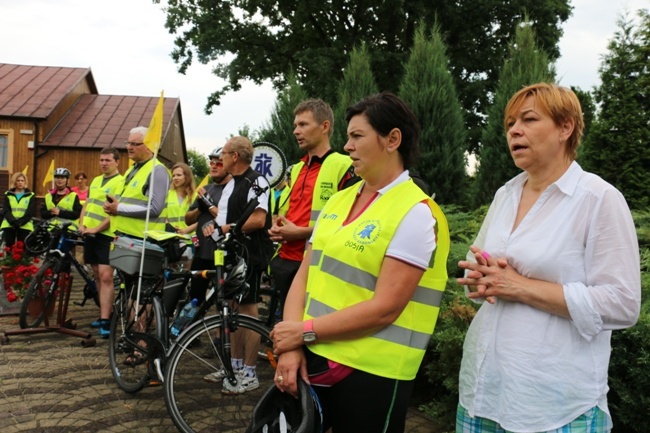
x,y
308,334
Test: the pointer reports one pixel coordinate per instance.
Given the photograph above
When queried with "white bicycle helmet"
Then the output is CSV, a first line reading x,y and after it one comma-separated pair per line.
x,y
216,152
62,171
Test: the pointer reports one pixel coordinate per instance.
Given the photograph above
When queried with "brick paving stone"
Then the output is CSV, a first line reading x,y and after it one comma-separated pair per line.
x,y
49,383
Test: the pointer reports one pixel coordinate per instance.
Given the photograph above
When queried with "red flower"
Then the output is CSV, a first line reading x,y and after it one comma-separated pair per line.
x,y
11,296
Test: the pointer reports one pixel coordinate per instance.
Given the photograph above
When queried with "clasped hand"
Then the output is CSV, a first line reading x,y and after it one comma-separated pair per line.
x,y
489,278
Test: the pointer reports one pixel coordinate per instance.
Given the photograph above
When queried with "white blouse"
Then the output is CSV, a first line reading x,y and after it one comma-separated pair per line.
x,y
530,370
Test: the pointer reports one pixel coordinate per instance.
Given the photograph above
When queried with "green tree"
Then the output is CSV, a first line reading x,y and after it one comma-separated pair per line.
x,y
617,145
357,83
263,39
527,64
428,88
588,109
198,164
279,130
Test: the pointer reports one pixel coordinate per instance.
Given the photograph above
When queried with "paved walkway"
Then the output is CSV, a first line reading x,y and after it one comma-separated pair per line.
x,y
49,383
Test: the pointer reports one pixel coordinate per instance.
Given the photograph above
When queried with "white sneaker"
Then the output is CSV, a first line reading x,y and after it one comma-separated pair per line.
x,y
244,384
219,375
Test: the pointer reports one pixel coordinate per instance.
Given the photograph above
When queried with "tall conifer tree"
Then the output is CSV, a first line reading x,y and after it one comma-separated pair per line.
x,y
527,64
617,145
357,83
428,88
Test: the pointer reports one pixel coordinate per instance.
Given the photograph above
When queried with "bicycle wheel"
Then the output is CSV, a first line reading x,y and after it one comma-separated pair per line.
x,y
133,344
196,405
43,289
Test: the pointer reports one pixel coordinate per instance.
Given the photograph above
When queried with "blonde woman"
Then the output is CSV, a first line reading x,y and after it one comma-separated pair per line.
x,y
19,209
179,199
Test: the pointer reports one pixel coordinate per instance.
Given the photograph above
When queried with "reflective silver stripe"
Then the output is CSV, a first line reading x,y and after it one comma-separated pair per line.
x,y
314,215
427,296
94,201
95,216
315,257
176,219
129,200
20,208
348,273
366,280
393,333
403,336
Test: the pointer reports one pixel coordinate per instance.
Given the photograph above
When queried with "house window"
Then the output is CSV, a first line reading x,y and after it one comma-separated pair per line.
x,y
4,151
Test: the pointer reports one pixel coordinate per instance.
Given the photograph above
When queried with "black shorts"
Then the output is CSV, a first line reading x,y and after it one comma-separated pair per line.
x,y
96,249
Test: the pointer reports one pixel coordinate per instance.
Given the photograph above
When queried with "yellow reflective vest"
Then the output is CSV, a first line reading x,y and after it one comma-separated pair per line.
x,y
327,184
345,265
132,194
66,203
176,211
94,213
18,209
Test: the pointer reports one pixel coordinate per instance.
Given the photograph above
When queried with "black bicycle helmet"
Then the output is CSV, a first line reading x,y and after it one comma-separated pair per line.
x,y
40,240
279,412
62,171
235,277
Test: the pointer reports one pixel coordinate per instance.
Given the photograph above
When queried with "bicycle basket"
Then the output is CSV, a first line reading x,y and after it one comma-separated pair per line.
x,y
41,240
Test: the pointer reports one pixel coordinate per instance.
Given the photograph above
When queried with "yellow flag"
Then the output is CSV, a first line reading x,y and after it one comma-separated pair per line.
x,y
205,181
25,169
154,134
49,176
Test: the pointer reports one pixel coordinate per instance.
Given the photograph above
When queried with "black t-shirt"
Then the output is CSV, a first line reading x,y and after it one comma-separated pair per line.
x,y
205,250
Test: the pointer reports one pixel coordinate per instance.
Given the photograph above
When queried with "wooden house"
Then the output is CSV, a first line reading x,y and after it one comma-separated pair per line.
x,y
56,114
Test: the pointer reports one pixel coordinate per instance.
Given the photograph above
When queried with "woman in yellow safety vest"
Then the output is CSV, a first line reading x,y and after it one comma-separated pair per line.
x,y
61,203
179,199
19,205
363,306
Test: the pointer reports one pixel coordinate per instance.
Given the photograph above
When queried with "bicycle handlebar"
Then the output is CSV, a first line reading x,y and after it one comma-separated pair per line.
x,y
173,275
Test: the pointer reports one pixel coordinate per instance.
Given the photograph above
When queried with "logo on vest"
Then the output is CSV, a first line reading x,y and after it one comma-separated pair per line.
x,y
367,232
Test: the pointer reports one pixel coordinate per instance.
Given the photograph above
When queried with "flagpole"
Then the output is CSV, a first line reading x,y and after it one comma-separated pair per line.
x,y
156,123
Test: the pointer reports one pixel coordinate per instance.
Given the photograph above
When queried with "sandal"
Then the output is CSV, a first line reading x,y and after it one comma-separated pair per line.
x,y
136,358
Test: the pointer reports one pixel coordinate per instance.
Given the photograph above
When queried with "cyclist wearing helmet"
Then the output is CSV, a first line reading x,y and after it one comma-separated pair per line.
x,y
61,203
364,303
203,210
237,156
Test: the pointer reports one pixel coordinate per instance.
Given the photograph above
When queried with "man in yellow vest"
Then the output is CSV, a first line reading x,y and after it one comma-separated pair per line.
x,y
94,221
61,203
313,180
145,179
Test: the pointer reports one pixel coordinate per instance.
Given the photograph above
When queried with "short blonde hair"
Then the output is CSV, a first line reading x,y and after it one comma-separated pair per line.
x,y
560,103
243,147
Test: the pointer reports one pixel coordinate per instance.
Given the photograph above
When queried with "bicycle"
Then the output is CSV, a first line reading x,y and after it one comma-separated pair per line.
x,y
194,404
57,243
139,330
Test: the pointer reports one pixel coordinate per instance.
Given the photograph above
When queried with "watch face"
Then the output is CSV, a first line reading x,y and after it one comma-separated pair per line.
x,y
309,337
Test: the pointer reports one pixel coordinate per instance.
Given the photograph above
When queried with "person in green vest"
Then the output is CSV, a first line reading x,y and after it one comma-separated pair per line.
x,y
19,206
94,221
147,179
61,203
320,173
179,199
364,303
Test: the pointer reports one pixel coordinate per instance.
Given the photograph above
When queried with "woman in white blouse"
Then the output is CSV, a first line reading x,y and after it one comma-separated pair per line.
x,y
557,263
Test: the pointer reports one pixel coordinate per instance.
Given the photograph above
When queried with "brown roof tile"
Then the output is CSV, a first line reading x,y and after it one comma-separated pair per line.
x,y
98,121
34,91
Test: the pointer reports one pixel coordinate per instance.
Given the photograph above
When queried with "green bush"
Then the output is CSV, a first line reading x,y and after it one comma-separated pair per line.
x,y
629,381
